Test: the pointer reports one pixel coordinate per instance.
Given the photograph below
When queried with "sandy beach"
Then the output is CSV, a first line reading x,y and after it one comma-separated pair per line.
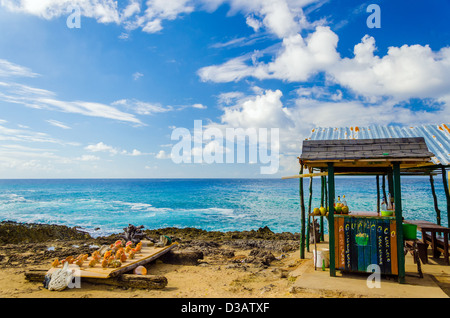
x,y
233,265
227,265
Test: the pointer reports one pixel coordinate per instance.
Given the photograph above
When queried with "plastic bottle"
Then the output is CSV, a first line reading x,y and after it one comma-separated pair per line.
x,y
389,207
343,200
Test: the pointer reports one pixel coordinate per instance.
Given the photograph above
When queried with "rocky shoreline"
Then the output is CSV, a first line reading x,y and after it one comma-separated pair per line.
x,y
26,244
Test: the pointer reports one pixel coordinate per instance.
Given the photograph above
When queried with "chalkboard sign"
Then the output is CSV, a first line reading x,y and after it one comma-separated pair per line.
x,y
362,241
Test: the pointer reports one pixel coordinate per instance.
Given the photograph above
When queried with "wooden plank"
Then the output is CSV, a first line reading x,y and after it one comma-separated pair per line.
x,y
309,175
353,246
341,243
306,175
379,237
337,242
348,245
146,255
125,280
367,249
394,258
360,229
373,242
387,246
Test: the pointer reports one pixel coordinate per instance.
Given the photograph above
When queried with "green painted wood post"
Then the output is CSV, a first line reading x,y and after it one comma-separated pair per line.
x,y
378,193
331,193
399,222
447,195
322,197
436,207
302,209
309,212
383,186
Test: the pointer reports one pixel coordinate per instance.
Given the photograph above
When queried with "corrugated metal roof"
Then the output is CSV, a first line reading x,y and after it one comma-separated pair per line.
x,y
437,137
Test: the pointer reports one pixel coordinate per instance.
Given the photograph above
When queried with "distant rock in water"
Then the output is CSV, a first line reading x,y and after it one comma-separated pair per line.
x,y
13,233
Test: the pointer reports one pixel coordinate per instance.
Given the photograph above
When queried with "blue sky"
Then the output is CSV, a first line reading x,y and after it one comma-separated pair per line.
x,y
102,100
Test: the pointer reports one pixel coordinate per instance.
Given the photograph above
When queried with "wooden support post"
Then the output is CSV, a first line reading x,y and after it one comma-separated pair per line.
x,y
308,234
399,222
436,208
302,209
322,198
447,195
378,193
326,192
383,186
331,218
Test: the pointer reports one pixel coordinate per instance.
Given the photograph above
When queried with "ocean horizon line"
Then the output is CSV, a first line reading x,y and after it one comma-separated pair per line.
x,y
203,178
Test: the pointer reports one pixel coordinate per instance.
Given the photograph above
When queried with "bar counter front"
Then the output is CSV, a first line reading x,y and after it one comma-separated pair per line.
x,y
366,239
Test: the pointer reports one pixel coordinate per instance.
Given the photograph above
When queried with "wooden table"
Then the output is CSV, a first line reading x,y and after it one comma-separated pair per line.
x,y
438,245
146,255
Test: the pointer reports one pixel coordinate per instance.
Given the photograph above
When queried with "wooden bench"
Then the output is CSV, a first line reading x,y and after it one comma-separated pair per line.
x,y
439,243
429,236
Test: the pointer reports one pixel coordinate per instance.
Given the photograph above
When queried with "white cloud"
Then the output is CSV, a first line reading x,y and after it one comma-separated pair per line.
x,y
261,111
229,97
199,106
169,10
43,99
137,75
297,60
8,69
124,36
133,8
102,147
135,152
404,72
280,17
233,70
142,108
231,43
255,24
162,155
105,11
87,108
88,158
316,107
58,124
28,136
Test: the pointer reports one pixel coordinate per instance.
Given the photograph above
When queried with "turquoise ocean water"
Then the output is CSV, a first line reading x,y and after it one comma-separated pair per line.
x,y
105,206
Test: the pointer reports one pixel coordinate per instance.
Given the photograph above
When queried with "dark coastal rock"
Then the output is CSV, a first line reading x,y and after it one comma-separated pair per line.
x,y
182,257
33,244
13,233
261,256
278,245
257,257
189,234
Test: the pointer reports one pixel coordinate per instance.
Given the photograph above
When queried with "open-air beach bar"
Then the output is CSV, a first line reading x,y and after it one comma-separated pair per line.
x,y
365,241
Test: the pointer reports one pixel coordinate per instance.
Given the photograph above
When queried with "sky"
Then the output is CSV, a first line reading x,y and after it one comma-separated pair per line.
x,y
97,88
